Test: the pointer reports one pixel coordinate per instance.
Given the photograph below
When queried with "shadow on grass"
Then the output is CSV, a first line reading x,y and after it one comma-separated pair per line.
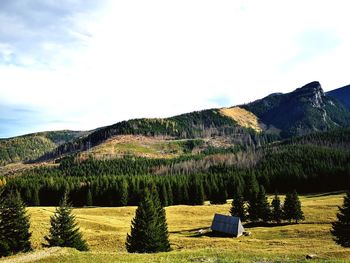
x,y
188,230
262,224
325,194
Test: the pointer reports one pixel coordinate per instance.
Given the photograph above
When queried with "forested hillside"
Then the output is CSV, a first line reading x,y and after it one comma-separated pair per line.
x,y
299,164
201,124
32,146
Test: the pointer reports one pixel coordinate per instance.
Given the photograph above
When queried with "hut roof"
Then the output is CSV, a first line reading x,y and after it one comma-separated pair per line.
x,y
229,225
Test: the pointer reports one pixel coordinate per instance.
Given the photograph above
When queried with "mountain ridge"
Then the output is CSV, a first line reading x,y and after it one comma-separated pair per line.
x,y
305,110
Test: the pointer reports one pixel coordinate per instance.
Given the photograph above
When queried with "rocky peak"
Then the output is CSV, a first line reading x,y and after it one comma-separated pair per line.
x,y
313,92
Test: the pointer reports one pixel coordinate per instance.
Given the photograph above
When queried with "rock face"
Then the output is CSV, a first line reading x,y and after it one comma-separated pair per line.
x,y
305,110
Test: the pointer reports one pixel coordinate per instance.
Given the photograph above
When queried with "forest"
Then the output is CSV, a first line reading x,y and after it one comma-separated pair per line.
x,y
296,164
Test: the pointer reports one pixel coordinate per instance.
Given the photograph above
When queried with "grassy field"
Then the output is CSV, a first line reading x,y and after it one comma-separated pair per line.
x,y
105,230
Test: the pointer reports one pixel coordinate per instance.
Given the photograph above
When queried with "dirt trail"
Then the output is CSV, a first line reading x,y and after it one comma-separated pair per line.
x,y
34,256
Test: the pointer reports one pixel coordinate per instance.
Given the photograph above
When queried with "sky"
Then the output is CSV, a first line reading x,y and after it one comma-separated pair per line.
x,y
82,64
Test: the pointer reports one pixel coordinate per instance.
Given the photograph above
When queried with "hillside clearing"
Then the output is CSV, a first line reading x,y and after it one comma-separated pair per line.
x,y
105,230
243,117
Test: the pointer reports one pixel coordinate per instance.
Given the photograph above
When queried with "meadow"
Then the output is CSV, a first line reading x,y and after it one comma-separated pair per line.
x,y
105,230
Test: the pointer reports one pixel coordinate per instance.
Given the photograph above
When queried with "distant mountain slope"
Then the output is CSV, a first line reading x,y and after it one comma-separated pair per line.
x,y
32,146
300,112
342,95
200,124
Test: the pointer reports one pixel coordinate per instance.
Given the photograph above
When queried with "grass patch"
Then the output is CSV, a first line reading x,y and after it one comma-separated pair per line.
x,y
105,230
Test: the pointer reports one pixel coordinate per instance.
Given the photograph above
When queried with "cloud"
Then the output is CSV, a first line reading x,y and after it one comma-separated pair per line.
x,y
84,64
38,33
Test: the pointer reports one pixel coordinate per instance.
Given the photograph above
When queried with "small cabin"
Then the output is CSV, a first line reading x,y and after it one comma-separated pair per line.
x,y
227,225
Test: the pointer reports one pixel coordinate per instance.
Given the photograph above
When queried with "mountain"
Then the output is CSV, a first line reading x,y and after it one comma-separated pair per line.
x,y
220,128
32,146
307,109
342,95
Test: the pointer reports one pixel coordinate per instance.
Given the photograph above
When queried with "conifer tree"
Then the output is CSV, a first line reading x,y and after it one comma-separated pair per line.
x,y
288,207
196,191
89,198
14,225
253,214
36,199
64,231
149,230
122,193
251,187
263,208
277,212
237,208
341,228
292,207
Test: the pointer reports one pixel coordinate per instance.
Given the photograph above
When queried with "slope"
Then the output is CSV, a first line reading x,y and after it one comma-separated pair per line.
x,y
31,146
302,111
210,124
342,95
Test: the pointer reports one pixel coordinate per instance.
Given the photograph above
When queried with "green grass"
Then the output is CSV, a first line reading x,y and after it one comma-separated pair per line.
x,y
105,230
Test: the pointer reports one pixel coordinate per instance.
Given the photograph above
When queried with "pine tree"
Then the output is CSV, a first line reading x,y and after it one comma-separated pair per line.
x,y
277,212
263,208
299,215
288,207
89,198
122,193
14,225
292,207
253,214
251,187
149,230
36,199
237,208
341,228
196,191
4,247
64,231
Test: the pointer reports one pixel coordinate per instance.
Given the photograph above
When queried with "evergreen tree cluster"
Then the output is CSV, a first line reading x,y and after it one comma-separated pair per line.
x,y
258,208
118,182
14,227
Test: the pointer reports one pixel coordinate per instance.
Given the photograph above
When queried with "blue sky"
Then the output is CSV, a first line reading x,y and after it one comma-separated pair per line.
x,y
81,64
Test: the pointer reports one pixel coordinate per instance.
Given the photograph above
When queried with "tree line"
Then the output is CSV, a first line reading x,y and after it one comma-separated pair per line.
x,y
257,208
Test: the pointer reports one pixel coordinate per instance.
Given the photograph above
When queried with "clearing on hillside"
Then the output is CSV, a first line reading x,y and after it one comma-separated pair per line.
x,y
243,117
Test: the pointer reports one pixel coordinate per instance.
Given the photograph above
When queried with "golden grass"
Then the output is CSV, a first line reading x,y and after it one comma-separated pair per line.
x,y
105,230
243,117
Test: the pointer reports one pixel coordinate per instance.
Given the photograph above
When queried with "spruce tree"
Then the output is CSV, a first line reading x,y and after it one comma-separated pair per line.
x,y
64,231
14,225
288,208
237,208
263,208
253,214
341,228
89,198
149,230
277,212
292,207
299,215
196,191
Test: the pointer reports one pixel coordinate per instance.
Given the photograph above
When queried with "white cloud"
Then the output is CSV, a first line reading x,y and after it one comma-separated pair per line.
x,y
129,59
